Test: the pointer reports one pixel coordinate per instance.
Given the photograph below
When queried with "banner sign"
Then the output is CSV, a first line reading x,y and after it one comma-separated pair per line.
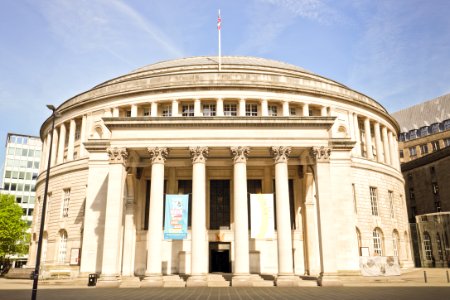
x,y
262,217
176,217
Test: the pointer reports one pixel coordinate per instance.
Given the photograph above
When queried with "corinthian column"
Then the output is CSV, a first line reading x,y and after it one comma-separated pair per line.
x,y
199,255
111,259
153,274
241,248
284,234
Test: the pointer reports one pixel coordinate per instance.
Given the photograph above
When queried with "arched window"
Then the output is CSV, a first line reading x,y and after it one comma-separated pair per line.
x,y
358,236
395,243
439,247
377,242
62,251
427,246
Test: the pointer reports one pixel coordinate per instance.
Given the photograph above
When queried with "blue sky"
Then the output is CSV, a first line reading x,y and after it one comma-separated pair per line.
x,y
395,51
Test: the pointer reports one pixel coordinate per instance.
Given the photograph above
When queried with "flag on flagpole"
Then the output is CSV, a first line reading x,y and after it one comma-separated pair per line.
x,y
219,26
219,20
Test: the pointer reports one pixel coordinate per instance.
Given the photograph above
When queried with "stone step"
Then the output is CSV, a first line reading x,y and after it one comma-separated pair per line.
x,y
130,282
214,283
173,281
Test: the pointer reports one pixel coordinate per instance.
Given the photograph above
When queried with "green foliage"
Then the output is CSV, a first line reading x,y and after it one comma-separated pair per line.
x,y
13,236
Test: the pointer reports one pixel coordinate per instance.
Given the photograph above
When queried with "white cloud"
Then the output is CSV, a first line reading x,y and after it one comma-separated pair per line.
x,y
87,25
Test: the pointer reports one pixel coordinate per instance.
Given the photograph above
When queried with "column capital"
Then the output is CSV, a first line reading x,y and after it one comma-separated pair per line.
x,y
240,154
117,155
281,154
158,155
320,154
198,154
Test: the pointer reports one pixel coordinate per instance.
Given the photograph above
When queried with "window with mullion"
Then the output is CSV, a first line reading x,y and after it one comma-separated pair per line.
x,y
230,109
374,201
251,110
188,110
209,110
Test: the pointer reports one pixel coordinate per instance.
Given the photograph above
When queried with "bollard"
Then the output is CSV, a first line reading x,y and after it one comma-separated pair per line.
x,y
425,276
448,278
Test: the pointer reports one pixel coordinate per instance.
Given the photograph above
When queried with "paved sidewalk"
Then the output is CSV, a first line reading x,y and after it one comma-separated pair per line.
x,y
304,293
410,285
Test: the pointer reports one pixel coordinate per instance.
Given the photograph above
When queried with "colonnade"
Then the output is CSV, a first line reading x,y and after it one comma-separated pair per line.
x,y
111,268
241,107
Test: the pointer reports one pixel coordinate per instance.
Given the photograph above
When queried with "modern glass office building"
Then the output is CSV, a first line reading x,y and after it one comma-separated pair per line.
x,y
20,170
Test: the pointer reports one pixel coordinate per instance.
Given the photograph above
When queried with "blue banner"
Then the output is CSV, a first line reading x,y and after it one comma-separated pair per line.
x,y
176,217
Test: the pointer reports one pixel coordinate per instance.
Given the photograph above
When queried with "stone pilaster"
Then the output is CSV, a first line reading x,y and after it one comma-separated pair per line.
x,y
325,215
199,256
112,260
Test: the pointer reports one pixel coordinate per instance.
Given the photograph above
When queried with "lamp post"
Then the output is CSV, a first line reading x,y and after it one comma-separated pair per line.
x,y
44,206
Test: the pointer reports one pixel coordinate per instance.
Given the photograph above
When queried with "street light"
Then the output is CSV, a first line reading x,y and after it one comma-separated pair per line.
x,y
44,206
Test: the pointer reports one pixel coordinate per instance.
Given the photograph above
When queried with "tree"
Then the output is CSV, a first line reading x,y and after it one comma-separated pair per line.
x,y
14,238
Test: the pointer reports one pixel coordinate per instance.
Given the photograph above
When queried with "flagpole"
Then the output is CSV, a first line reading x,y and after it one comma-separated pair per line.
x,y
219,21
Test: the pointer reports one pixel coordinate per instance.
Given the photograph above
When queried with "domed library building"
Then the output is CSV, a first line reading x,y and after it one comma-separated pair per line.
x,y
184,174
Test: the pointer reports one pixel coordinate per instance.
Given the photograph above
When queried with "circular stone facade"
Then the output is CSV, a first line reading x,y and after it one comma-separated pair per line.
x,y
286,173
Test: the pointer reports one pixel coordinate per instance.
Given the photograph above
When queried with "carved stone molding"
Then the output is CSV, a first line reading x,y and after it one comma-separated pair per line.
x,y
240,154
281,154
158,155
198,154
117,155
320,154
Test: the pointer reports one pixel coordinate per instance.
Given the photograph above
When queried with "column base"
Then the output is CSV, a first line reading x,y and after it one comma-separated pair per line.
x,y
329,280
152,281
241,280
287,280
196,280
108,281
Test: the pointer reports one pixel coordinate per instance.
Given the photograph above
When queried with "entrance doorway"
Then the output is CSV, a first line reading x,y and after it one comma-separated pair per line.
x,y
219,257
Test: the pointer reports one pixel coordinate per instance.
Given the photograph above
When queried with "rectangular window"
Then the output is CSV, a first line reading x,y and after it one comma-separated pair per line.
x,y
292,111
273,110
424,149
424,131
62,247
374,201
412,151
146,112
230,110
209,110
401,154
11,150
66,200
167,110
77,134
435,145
128,113
251,110
391,203
435,128
7,174
447,142
446,124
6,186
188,110
413,134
